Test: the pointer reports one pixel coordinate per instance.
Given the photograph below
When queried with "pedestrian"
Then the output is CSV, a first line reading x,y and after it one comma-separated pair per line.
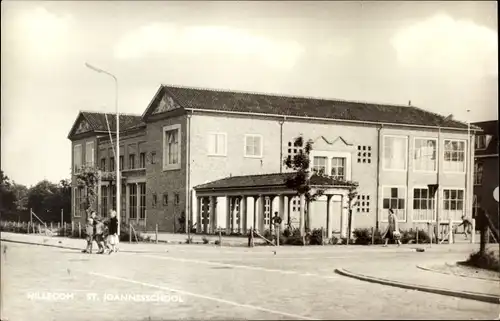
x,y
89,233
392,231
467,223
277,225
99,234
112,239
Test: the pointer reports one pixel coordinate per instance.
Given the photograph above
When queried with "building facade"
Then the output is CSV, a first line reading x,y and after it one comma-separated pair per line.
x,y
486,169
192,137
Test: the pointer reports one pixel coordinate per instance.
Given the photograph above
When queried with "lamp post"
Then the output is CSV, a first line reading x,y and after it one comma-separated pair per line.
x,y
469,176
117,154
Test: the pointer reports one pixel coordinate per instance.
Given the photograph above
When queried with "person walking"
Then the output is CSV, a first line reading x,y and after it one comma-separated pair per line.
x,y
277,225
467,223
112,239
89,234
99,235
392,231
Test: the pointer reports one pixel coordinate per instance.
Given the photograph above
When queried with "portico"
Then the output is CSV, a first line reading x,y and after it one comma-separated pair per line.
x,y
247,202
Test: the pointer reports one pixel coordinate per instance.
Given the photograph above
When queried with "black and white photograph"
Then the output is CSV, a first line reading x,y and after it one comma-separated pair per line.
x,y
249,160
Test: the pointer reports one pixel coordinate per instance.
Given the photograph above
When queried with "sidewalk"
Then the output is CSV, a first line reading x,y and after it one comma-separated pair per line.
x,y
407,275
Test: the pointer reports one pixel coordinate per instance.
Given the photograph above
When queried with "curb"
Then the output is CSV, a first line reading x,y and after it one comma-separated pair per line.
x,y
41,244
458,275
489,298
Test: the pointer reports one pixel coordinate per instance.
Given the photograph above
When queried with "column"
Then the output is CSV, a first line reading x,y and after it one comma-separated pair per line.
x,y
137,202
328,217
302,218
281,206
234,213
99,197
289,210
342,217
255,211
229,206
205,213
213,214
308,213
199,201
262,204
242,228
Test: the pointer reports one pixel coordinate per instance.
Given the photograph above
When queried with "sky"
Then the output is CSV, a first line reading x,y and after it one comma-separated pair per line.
x,y
440,55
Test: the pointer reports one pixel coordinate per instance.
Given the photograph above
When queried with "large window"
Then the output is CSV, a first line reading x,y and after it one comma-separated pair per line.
x,y
319,164
111,164
123,206
253,146
103,164
481,141
394,198
424,157
131,161
171,147
294,148
478,173
121,162
104,201
142,160
79,201
454,155
423,205
217,144
89,153
132,201
453,204
113,197
142,206
476,205
395,152
77,157
338,168
267,212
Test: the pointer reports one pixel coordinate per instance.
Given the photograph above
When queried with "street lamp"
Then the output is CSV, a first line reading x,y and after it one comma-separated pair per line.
x,y
469,176
117,154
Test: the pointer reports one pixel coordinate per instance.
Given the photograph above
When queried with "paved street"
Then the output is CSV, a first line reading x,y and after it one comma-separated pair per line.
x,y
203,282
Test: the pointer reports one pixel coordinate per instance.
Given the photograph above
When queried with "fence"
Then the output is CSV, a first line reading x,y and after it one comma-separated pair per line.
x,y
66,229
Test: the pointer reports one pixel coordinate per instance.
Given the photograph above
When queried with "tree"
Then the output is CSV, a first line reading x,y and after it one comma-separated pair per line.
x,y
7,195
300,182
87,176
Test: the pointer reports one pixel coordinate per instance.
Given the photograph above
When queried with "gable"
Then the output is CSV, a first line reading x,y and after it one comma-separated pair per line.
x,y
166,103
83,127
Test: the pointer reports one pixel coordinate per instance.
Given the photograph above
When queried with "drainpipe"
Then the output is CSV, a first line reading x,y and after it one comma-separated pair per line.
x,y
188,176
281,143
378,177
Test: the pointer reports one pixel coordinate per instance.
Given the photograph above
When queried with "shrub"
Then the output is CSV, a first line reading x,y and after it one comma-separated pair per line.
x,y
205,240
316,237
217,242
125,233
294,240
189,240
488,260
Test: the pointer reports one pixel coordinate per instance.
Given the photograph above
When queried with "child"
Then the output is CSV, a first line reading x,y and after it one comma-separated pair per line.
x,y
112,239
467,226
89,232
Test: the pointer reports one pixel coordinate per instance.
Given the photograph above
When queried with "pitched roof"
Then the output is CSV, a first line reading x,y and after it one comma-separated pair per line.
x,y
265,180
258,103
97,121
489,128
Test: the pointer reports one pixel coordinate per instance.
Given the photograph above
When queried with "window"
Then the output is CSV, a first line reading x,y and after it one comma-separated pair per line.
x,y
338,168
394,197
395,152
217,144
111,164
364,154
423,205
123,206
155,200
478,173
113,197
171,150
476,205
132,210
104,201
453,204
121,162
79,202
319,164
424,157
176,199
131,161
142,160
165,199
77,157
142,206
153,157
294,148
253,146
103,164
89,153
481,141
363,203
267,211
454,155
